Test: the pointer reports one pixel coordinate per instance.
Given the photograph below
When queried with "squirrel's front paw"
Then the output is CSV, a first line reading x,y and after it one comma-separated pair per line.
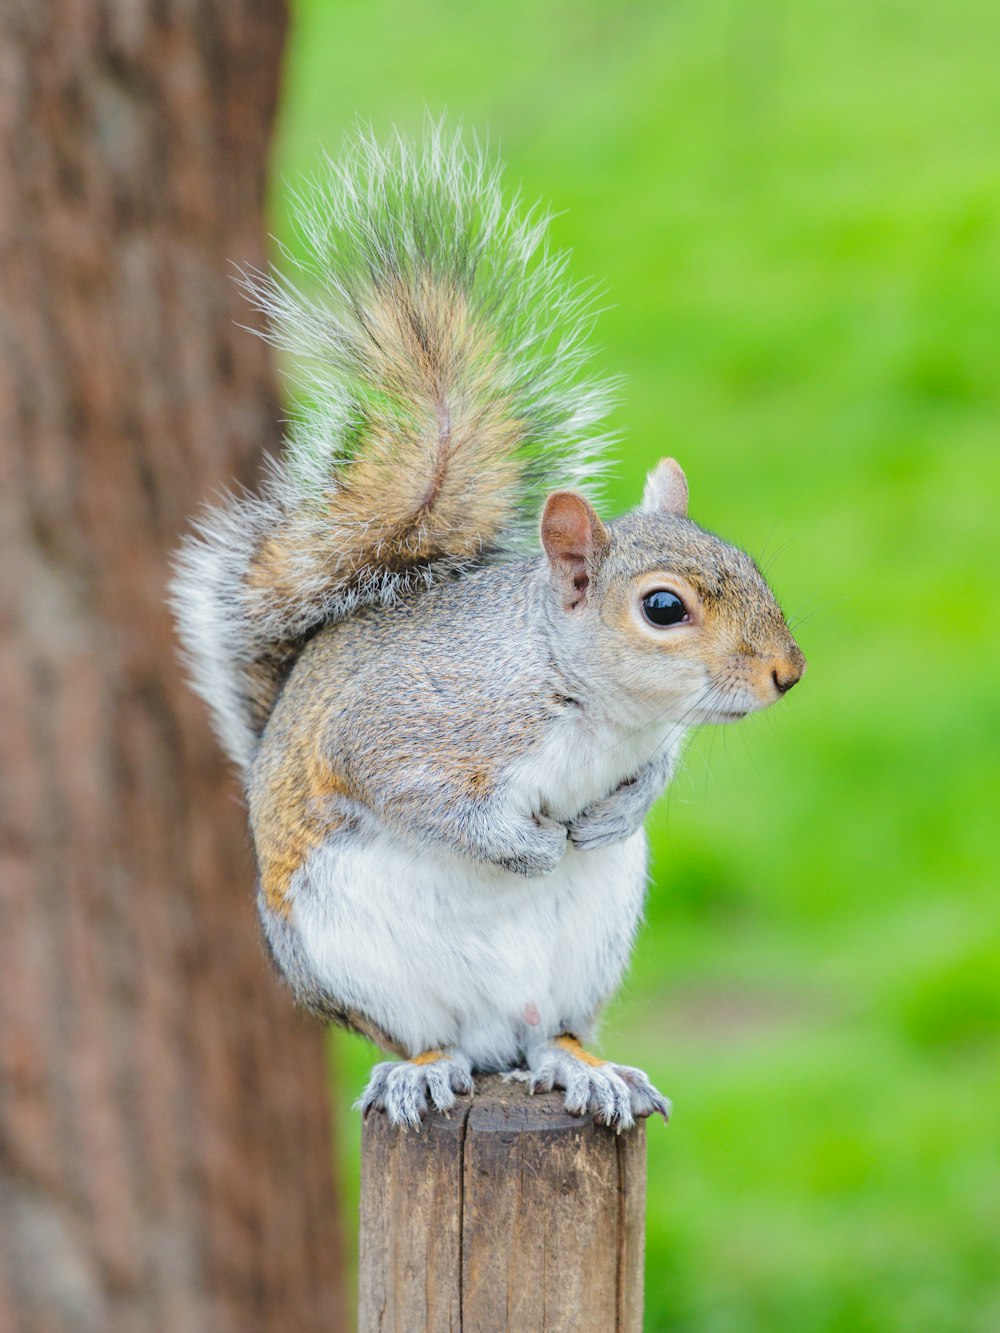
x,y
403,1088
620,814
604,823
539,851
612,820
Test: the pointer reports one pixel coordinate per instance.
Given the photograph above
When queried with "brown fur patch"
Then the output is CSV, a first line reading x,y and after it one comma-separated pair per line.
x,y
294,821
571,1046
427,1058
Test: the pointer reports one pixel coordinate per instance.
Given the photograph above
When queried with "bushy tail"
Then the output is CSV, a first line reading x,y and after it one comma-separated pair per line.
x,y
439,345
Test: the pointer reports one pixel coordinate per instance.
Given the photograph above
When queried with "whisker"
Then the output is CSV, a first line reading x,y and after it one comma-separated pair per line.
x,y
765,568
795,624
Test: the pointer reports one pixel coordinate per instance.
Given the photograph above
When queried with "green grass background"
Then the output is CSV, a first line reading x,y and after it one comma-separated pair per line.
x,y
795,213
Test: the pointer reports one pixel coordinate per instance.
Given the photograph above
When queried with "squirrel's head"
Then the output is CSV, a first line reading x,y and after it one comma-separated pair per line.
x,y
681,621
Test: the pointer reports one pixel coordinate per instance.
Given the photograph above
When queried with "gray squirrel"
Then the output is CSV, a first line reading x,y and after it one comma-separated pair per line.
x,y
449,740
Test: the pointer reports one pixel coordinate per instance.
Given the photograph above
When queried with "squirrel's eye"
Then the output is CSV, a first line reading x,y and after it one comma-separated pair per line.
x,y
663,608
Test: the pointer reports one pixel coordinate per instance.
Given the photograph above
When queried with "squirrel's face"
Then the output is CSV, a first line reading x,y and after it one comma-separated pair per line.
x,y
681,622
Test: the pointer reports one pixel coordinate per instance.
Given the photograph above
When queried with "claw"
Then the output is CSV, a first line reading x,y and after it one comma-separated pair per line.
x,y
614,1095
404,1089
646,1100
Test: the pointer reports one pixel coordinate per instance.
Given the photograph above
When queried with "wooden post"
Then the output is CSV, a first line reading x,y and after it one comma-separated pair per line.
x,y
511,1216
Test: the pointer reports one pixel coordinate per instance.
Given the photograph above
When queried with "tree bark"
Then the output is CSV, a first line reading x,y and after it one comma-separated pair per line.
x,y
165,1152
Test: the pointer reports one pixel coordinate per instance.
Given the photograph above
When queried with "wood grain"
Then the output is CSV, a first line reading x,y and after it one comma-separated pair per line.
x,y
510,1217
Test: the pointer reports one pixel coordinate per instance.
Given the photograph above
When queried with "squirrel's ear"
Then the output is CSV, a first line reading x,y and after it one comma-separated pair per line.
x,y
666,489
575,541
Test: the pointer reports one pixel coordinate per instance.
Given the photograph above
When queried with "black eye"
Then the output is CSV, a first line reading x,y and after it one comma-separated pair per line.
x,y
663,608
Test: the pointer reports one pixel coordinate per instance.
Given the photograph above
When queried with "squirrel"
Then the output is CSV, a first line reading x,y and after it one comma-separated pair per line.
x,y
450,738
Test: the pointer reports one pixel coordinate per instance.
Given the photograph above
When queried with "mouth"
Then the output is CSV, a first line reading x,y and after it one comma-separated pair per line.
x,y
730,716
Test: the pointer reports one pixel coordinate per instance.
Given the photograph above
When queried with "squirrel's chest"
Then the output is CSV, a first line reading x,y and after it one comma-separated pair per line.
x,y
582,761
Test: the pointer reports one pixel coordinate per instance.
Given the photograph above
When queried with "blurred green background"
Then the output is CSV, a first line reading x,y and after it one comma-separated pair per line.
x,y
794,211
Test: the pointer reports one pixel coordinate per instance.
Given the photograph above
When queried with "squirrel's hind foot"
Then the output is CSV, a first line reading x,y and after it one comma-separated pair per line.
x,y
615,1095
404,1089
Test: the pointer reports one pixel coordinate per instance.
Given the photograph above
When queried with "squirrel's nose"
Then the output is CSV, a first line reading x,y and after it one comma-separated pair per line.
x,y
786,674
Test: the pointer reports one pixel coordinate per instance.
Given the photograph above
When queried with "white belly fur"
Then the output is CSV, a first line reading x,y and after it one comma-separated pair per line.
x,y
440,951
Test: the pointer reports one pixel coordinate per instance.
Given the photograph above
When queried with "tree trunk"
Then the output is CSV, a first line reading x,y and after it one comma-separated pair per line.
x,y
165,1152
